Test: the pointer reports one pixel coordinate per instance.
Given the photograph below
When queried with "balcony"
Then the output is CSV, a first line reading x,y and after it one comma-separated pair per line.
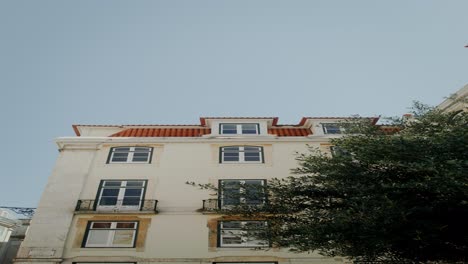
x,y
118,206
210,205
215,205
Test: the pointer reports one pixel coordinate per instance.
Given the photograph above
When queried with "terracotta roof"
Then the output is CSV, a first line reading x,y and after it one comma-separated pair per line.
x,y
290,132
77,131
198,132
162,132
389,129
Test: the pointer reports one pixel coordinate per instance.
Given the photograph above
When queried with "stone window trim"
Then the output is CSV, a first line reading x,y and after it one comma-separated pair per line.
x,y
140,240
212,225
111,229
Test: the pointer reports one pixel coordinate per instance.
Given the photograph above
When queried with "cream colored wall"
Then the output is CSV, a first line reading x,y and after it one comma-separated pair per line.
x,y
176,163
178,232
51,222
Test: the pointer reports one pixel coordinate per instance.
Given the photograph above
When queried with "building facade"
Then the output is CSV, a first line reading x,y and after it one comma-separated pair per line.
x,y
456,102
7,224
119,194
9,249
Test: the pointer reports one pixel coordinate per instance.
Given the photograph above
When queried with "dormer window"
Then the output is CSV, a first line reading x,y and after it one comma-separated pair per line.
x,y
239,129
332,128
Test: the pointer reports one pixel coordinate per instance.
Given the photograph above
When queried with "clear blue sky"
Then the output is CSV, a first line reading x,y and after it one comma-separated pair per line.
x,y
159,62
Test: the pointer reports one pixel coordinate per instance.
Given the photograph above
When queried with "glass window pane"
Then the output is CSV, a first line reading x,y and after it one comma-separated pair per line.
x,y
232,240
110,192
231,224
231,149
254,225
230,184
249,129
231,158
135,183
140,157
123,238
141,149
128,201
112,183
228,129
231,154
126,225
120,154
254,193
98,237
332,128
231,197
101,225
229,126
252,157
133,192
124,149
120,157
108,201
251,149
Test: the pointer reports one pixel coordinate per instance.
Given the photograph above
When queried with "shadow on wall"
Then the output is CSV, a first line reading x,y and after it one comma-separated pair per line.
x,y
9,248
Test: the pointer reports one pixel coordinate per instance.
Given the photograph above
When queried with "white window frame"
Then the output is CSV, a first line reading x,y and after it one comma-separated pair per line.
x,y
242,190
246,240
325,130
241,151
130,154
111,234
121,195
239,128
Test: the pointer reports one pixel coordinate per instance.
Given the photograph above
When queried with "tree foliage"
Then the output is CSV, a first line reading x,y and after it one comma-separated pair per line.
x,y
388,197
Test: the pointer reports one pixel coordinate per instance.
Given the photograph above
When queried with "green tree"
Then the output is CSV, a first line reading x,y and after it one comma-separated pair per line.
x,y
398,196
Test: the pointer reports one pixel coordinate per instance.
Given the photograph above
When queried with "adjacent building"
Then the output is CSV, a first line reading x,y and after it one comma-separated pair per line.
x,y
119,193
12,233
456,102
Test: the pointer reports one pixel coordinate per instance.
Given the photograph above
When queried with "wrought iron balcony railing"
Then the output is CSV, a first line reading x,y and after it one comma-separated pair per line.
x,y
116,206
210,205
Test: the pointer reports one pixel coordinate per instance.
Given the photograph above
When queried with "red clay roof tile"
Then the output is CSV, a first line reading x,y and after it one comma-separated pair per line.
x,y
290,132
198,132
162,132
